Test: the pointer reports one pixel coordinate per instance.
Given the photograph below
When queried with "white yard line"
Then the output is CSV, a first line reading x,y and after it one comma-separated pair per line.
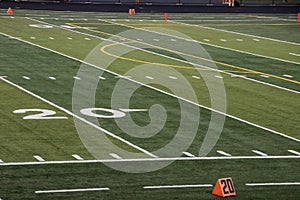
x,y
188,101
39,158
188,154
294,152
259,153
273,184
223,153
294,54
80,118
148,160
176,186
71,190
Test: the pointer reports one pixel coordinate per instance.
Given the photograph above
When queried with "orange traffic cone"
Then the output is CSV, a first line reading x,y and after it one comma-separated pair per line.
x,y
9,11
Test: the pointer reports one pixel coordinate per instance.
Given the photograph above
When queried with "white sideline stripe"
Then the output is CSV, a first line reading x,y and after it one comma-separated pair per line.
x,y
116,156
294,152
52,78
272,184
39,158
223,153
80,118
149,77
77,157
177,186
288,76
193,103
26,77
259,153
188,154
71,190
294,54
217,46
196,77
148,160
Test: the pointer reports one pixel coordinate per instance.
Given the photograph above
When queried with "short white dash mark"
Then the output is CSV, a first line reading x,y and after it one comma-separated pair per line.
x,y
87,38
223,40
69,38
149,77
196,77
102,78
294,152
259,153
32,38
51,38
188,154
39,158
116,156
173,40
77,157
288,76
52,78
77,78
1,161
218,76
223,153
172,77
206,40
26,77
257,40
265,76
156,40
239,40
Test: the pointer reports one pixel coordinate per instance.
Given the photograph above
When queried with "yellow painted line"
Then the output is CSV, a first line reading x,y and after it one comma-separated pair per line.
x,y
189,55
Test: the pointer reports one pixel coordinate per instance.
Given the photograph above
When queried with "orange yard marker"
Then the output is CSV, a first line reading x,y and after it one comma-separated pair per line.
x,y
166,16
9,11
299,16
224,187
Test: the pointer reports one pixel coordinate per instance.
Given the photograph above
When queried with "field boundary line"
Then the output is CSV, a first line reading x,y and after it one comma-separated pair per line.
x,y
156,89
205,43
80,118
149,160
176,186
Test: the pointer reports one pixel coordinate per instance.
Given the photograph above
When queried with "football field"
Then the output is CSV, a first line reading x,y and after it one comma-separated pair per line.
x,y
118,106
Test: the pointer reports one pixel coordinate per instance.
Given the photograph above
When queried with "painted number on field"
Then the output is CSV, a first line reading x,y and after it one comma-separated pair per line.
x,y
42,114
109,113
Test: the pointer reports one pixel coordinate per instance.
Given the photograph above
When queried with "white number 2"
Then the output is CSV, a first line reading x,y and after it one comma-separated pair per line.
x,y
44,114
